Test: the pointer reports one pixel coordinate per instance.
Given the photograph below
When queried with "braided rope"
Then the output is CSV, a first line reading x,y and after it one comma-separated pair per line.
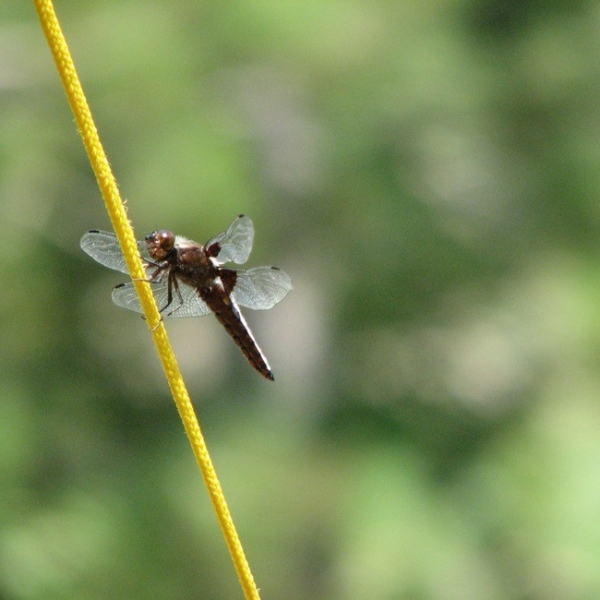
x,y
118,216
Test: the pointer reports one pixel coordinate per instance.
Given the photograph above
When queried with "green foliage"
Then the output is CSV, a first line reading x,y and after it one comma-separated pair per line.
x,y
427,173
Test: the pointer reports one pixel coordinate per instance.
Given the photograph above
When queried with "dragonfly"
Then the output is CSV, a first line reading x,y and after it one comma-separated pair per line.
x,y
187,279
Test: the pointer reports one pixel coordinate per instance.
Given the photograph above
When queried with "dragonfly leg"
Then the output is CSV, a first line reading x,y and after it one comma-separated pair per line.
x,y
173,284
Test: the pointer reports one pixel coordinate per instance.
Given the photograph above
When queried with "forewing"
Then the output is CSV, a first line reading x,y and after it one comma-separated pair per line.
x,y
235,244
185,304
104,248
261,288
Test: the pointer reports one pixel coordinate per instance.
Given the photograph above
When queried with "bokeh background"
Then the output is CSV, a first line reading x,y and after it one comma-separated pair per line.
x,y
429,175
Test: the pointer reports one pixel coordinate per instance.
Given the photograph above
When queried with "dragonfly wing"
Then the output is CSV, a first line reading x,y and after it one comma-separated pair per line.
x,y
261,288
125,296
186,303
235,244
104,248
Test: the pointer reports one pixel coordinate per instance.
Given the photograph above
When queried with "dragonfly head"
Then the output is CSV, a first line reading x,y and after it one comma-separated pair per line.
x,y
160,243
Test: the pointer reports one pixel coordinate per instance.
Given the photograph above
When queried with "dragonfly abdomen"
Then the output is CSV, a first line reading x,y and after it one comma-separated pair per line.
x,y
230,316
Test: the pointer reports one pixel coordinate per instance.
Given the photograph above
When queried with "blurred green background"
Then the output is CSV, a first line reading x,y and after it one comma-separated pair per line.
x,y
428,173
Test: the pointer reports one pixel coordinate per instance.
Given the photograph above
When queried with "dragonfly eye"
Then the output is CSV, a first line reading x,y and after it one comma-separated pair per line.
x,y
167,239
160,243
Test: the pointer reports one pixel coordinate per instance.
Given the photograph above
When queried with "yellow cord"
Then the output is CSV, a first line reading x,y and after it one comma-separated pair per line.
x,y
124,231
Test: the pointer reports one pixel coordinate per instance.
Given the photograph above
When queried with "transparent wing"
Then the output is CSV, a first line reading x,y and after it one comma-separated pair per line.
x,y
185,304
261,288
235,244
104,248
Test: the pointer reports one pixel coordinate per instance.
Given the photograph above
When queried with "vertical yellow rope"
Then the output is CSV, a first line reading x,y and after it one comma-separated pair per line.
x,y
124,231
